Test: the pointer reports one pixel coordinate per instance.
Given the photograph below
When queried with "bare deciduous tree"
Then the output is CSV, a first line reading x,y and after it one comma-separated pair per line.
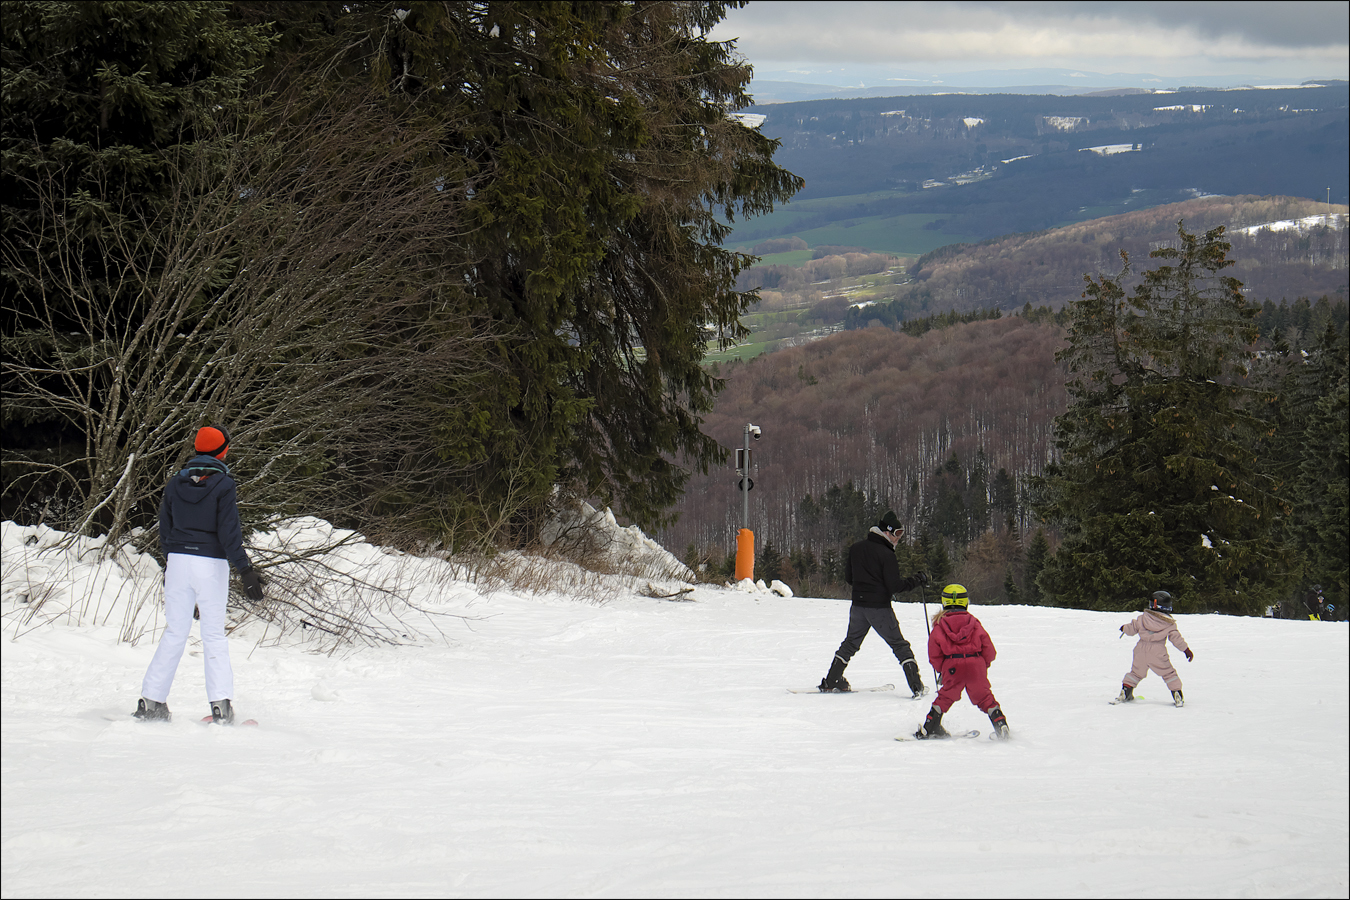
x,y
301,284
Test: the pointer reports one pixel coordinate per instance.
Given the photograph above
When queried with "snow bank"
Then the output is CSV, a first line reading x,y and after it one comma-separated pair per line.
x,y
49,576
326,588
625,549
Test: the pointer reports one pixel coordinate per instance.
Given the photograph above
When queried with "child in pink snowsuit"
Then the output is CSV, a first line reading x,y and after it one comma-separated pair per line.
x,y
1155,627
960,651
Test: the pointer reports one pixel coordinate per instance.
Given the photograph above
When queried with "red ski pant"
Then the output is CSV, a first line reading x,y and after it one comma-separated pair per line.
x,y
970,675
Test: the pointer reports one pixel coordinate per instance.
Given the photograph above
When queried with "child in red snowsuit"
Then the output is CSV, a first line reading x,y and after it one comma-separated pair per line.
x,y
961,652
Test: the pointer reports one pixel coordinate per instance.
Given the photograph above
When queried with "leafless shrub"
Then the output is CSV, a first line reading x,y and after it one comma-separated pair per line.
x,y
309,600
299,285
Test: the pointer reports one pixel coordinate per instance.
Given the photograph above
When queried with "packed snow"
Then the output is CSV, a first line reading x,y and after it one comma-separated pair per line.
x,y
631,734
1111,149
1302,224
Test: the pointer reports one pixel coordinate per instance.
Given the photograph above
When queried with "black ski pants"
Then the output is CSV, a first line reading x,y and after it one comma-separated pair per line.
x,y
882,621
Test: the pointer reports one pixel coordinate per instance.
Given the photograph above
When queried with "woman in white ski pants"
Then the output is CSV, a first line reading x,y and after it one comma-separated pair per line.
x,y
203,583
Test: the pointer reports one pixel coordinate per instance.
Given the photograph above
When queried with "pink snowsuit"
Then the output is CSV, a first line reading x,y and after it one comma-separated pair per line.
x,y
1154,629
960,651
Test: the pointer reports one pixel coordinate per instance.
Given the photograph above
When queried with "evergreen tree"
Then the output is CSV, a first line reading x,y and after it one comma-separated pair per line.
x,y
102,103
1003,494
908,558
831,566
1299,450
605,172
769,566
978,491
1157,483
1322,492
935,553
1037,554
803,563
842,515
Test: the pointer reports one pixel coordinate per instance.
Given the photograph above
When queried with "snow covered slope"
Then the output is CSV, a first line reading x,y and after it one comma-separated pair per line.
x,y
552,746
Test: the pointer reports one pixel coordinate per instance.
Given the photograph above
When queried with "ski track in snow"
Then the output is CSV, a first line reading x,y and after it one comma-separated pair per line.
x,y
556,747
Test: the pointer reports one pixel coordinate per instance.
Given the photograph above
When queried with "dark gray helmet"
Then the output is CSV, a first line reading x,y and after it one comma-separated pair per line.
x,y
1161,601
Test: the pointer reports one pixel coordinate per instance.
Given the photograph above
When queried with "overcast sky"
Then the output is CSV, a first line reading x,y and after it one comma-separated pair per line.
x,y
1273,40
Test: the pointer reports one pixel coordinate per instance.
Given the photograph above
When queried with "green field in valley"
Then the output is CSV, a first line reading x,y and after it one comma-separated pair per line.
x,y
902,235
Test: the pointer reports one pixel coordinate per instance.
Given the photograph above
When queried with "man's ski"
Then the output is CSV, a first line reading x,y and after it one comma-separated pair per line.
x,y
207,720
961,734
816,690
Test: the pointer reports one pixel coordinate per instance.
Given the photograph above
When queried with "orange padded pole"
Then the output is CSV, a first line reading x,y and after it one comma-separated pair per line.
x,y
745,554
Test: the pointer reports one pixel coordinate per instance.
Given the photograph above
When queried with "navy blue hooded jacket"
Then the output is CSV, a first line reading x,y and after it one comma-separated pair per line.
x,y
199,514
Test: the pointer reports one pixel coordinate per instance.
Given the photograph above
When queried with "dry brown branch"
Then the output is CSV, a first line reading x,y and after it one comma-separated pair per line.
x,y
300,284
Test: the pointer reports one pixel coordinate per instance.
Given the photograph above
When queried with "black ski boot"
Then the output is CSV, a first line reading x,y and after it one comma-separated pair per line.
x,y
932,726
1000,723
222,713
912,676
1126,694
835,683
1177,699
152,710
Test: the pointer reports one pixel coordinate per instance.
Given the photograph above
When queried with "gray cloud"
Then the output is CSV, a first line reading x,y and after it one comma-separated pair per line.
x,y
1312,38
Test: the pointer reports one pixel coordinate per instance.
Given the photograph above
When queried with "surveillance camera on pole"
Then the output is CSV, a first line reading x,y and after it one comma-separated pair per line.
x,y
745,541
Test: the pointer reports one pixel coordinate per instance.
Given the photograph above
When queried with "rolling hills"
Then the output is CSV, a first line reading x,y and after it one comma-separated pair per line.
x,y
978,166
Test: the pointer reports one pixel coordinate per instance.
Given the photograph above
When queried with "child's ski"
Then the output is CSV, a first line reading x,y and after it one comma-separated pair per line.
x,y
959,734
1118,700
816,690
207,720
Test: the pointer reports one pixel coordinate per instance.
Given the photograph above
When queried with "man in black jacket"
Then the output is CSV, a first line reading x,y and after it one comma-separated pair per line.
x,y
875,577
200,536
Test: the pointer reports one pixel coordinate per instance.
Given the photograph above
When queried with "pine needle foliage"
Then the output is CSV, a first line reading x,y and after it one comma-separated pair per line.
x,y
1158,484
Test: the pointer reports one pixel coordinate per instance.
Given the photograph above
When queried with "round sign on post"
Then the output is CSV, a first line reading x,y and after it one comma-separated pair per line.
x,y
741,484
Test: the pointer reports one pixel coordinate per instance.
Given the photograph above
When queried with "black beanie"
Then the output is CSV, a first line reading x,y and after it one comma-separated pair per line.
x,y
890,522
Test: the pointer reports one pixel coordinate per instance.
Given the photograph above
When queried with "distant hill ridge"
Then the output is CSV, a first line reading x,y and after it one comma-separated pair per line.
x,y
1047,267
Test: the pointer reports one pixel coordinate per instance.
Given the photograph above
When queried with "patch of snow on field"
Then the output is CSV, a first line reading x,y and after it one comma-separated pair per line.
x,y
1336,221
545,744
1065,123
1111,149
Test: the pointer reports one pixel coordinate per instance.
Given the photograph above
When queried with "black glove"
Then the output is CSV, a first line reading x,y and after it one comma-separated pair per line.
x,y
921,578
1189,655
253,584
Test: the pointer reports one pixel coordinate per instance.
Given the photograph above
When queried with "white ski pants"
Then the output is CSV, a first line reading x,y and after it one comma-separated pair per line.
x,y
203,583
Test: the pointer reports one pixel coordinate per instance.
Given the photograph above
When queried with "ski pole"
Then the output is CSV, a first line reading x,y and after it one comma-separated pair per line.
x,y
923,596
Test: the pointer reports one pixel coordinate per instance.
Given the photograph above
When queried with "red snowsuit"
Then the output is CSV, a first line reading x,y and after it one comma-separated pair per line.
x,y
961,652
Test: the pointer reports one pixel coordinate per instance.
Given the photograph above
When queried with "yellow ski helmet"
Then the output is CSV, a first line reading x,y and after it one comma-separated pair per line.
x,y
954,596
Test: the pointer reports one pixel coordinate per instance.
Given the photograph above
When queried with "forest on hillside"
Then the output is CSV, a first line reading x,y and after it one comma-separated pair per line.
x,y
884,412
958,422
1046,268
